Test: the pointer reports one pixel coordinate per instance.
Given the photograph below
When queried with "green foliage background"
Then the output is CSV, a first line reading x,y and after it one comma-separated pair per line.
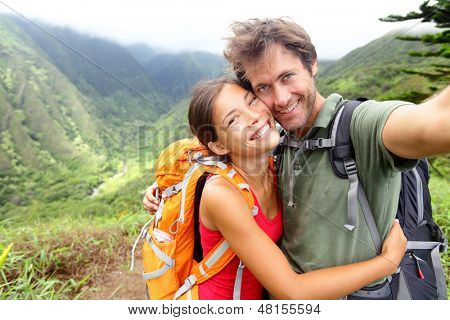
x,y
77,147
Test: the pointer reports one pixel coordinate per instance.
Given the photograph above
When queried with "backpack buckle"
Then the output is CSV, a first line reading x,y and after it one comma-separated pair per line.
x,y
350,166
319,143
190,281
312,144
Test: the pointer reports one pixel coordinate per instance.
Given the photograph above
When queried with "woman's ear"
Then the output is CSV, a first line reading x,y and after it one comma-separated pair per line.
x,y
218,148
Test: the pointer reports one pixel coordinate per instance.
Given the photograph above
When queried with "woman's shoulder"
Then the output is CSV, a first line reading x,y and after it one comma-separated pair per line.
x,y
219,193
217,186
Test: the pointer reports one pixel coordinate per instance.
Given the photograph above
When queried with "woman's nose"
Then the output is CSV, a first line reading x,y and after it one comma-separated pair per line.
x,y
252,117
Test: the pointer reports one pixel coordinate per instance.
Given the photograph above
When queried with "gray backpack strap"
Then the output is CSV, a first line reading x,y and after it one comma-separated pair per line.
x,y
300,146
356,194
342,158
339,132
344,165
352,194
403,290
238,281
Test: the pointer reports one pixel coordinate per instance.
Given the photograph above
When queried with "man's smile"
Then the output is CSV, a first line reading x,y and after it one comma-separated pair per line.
x,y
290,109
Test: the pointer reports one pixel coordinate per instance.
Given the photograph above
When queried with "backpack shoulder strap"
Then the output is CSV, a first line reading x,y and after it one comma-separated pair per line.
x,y
340,134
342,158
219,256
198,252
424,166
217,259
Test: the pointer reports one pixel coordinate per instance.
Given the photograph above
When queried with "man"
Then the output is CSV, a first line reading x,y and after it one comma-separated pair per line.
x,y
276,59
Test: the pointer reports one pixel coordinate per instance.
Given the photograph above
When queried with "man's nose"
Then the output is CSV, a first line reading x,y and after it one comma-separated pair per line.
x,y
280,96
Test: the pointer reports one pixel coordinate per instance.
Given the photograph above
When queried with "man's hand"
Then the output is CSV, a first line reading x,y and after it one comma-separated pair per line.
x,y
150,201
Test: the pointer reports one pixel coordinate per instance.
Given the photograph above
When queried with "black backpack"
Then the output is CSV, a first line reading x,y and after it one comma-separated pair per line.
x,y
421,274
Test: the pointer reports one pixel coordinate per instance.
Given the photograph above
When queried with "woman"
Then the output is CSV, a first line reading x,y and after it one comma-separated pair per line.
x,y
235,124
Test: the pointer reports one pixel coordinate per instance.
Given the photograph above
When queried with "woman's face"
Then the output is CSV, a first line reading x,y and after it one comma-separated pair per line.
x,y
244,125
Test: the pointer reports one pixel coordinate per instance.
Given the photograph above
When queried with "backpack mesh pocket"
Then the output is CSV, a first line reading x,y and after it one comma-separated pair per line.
x,y
159,268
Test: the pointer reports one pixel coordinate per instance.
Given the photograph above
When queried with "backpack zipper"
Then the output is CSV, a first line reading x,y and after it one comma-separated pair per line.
x,y
416,260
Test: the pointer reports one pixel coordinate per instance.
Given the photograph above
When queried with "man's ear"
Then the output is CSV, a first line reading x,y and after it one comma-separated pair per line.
x,y
218,148
314,67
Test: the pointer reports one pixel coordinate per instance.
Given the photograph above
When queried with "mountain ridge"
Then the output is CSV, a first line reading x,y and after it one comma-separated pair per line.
x,y
63,121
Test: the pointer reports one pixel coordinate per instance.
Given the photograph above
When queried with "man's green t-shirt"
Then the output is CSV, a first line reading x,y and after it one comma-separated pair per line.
x,y
314,233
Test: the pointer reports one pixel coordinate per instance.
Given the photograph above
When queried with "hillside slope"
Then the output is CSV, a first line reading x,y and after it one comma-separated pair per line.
x,y
375,70
176,73
46,124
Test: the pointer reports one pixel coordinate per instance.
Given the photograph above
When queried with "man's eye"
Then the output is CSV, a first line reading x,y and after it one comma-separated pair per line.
x,y
263,89
288,76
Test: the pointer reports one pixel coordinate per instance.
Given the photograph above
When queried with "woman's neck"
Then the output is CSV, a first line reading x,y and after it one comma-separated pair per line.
x,y
254,170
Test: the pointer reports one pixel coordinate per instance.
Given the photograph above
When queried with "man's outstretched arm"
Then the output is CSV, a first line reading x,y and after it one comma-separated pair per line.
x,y
416,131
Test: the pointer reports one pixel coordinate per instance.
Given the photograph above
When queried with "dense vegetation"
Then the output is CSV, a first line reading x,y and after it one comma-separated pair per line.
x,y
437,12
77,146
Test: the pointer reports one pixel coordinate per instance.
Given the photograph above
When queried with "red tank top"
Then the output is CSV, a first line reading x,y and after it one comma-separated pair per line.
x,y
220,287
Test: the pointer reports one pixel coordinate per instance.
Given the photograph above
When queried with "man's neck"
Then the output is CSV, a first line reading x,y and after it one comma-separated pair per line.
x,y
318,104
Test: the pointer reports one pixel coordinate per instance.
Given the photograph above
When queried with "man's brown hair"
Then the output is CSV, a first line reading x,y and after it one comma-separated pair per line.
x,y
253,37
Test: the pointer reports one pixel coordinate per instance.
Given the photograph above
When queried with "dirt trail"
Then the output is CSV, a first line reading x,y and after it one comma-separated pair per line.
x,y
120,283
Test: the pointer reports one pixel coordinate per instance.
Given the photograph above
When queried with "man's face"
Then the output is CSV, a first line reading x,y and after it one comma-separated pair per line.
x,y
281,81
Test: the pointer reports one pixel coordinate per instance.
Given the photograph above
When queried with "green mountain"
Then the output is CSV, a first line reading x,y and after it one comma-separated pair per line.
x,y
142,52
67,123
46,125
95,66
376,70
177,73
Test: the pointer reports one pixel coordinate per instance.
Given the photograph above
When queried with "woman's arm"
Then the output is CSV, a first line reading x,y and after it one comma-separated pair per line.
x,y
224,207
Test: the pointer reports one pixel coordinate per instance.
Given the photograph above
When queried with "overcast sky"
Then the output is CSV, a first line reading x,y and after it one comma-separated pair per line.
x,y
336,27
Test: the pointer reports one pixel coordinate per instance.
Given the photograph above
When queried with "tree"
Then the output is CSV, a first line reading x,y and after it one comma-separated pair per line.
x,y
439,74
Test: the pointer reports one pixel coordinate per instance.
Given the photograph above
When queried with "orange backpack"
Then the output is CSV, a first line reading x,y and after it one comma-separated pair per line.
x,y
170,270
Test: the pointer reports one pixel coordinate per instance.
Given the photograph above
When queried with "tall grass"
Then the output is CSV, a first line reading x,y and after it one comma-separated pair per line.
x,y
61,248
60,263
440,200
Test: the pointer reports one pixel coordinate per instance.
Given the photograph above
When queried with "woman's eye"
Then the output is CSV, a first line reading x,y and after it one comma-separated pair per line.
x,y
253,101
232,120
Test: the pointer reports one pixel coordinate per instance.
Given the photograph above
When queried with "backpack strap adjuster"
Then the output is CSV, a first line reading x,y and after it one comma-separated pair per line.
x,y
319,143
187,285
350,167
190,281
